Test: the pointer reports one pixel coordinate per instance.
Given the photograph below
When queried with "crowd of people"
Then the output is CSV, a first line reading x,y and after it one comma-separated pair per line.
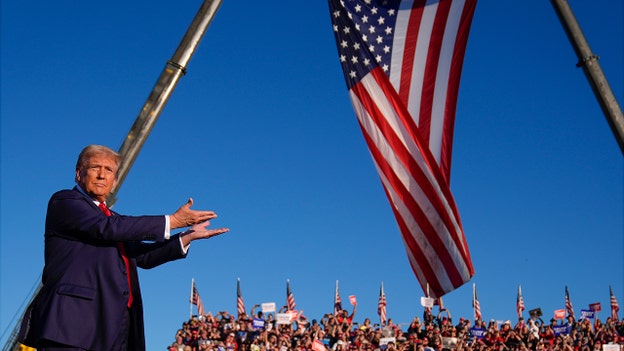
x,y
339,332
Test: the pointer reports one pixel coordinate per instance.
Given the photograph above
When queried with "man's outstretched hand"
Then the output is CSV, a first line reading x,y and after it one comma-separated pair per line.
x,y
201,231
185,217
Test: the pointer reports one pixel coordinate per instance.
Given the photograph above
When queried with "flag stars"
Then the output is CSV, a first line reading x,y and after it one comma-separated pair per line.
x,y
381,20
364,19
354,59
344,44
336,14
358,8
343,58
379,39
388,31
346,30
374,10
391,12
356,46
371,29
386,49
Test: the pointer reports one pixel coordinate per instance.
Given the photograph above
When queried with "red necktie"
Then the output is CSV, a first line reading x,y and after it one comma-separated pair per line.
x,y
122,251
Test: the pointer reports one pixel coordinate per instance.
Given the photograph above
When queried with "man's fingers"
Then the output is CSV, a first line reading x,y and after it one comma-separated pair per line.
x,y
189,203
215,232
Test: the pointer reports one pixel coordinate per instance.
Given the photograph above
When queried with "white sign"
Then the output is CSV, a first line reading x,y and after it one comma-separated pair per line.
x,y
268,307
610,347
426,302
283,318
386,341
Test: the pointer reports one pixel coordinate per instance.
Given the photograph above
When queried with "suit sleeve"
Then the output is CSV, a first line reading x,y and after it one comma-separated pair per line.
x,y
73,216
150,255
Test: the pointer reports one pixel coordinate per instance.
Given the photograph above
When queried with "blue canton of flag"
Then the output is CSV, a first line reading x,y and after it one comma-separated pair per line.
x,y
365,36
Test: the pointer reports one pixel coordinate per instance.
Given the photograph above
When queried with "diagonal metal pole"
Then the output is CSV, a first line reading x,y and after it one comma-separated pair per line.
x,y
173,71
589,62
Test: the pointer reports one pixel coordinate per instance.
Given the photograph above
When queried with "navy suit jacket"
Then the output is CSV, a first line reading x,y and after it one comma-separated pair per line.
x,y
82,301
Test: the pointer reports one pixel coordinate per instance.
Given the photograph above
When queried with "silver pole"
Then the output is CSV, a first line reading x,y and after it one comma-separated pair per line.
x,y
174,69
589,62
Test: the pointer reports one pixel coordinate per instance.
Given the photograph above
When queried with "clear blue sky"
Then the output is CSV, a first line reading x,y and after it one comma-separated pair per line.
x,y
262,131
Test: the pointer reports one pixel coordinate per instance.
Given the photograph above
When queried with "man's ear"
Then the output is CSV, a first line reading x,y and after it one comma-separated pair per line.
x,y
77,175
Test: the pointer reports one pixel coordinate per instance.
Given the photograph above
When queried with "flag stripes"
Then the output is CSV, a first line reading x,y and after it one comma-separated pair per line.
x,y
423,204
519,302
615,308
403,85
568,303
475,304
381,306
290,299
196,300
240,304
337,300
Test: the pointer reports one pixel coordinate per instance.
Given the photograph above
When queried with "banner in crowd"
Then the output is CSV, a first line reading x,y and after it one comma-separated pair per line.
x,y
610,347
596,307
283,318
383,342
257,323
317,345
560,314
268,307
477,332
561,329
426,302
587,314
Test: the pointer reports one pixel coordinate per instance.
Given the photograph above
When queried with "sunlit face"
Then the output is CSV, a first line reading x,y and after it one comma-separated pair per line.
x,y
98,177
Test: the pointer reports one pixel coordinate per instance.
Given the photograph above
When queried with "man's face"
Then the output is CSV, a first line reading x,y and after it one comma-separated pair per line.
x,y
98,177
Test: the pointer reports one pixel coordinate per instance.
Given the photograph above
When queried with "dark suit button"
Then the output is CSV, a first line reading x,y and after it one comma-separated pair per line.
x,y
125,293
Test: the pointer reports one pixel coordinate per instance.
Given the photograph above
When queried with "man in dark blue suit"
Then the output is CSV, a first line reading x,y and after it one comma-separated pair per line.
x,y
90,297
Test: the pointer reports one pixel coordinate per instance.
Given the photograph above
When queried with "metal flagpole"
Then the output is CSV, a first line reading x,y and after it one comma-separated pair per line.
x,y
174,69
191,300
589,62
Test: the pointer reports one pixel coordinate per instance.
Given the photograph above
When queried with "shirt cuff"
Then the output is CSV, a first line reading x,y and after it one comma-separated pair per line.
x,y
184,248
167,230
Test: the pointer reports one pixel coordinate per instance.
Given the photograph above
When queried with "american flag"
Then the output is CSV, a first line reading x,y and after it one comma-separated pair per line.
x,y
519,302
475,303
402,62
290,299
568,303
196,300
337,301
240,304
381,306
615,308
